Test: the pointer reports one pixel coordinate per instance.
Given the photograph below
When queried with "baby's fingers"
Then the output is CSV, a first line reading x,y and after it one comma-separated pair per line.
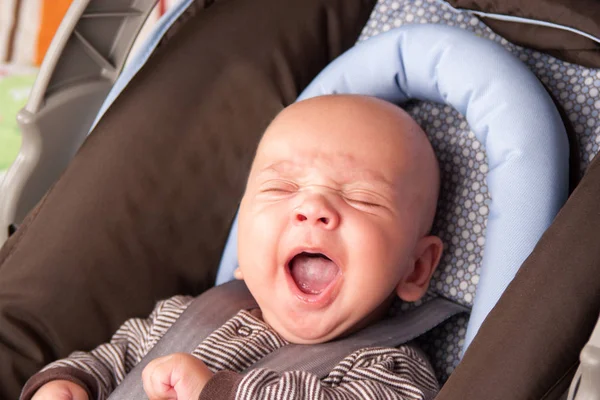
x,y
178,376
60,390
156,378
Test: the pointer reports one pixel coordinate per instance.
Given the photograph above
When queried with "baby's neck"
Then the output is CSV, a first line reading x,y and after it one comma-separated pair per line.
x,y
381,312
257,313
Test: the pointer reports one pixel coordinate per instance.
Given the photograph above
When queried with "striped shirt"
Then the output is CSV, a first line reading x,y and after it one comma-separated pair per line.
x,y
370,373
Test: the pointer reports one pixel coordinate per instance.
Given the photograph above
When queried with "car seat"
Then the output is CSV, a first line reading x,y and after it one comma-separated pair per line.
x,y
144,256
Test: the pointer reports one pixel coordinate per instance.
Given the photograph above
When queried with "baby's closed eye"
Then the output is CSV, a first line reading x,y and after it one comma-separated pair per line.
x,y
278,187
365,200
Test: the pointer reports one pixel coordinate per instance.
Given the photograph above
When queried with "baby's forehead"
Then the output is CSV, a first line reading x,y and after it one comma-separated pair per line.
x,y
345,167
349,133
355,147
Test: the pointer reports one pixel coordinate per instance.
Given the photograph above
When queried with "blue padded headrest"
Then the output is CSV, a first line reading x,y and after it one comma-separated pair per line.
x,y
506,107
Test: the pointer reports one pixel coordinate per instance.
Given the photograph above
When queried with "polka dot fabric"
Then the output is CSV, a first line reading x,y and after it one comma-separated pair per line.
x,y
464,200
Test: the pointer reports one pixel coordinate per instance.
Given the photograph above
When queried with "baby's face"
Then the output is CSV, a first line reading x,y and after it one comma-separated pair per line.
x,y
334,218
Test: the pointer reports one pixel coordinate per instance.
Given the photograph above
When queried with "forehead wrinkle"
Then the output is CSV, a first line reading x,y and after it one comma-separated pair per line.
x,y
347,169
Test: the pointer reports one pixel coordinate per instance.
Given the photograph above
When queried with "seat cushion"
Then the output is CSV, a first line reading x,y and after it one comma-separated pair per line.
x,y
512,118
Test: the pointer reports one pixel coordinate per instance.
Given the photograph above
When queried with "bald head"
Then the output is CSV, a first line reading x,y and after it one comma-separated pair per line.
x,y
363,135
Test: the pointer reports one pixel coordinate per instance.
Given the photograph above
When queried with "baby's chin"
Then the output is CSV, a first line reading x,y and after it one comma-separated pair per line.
x,y
302,337
312,330
307,333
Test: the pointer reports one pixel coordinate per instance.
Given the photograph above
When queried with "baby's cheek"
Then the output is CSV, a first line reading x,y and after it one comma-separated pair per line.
x,y
370,242
382,255
258,240
253,226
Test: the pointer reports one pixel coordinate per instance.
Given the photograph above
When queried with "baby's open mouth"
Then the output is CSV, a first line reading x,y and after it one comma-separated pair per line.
x,y
312,272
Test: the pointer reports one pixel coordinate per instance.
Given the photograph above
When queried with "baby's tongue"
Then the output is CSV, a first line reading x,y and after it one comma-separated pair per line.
x,y
312,272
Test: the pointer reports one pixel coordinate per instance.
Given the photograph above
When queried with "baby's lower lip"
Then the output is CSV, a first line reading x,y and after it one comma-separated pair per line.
x,y
322,299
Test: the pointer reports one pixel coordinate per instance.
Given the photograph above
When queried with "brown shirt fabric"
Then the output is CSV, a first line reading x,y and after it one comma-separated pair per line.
x,y
374,373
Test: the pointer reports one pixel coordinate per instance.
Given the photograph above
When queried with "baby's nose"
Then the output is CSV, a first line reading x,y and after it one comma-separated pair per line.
x,y
316,210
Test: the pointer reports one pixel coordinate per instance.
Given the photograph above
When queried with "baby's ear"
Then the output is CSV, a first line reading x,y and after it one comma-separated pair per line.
x,y
237,274
425,260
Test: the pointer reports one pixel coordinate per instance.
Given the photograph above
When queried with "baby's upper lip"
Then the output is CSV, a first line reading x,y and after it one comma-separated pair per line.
x,y
311,250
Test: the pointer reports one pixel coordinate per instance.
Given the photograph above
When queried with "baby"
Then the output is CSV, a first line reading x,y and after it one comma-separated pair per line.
x,y
334,223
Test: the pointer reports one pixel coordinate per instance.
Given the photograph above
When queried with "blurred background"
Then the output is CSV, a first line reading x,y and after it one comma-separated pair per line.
x,y
26,30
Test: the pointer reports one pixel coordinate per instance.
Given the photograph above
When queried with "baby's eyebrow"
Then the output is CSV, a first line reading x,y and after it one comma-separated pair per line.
x,y
280,167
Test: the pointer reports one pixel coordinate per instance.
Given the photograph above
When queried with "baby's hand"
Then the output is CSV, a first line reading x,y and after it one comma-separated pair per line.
x,y
178,376
60,390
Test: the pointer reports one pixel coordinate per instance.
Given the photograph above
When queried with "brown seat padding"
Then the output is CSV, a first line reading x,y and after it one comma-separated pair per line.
x,y
532,338
583,15
144,209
